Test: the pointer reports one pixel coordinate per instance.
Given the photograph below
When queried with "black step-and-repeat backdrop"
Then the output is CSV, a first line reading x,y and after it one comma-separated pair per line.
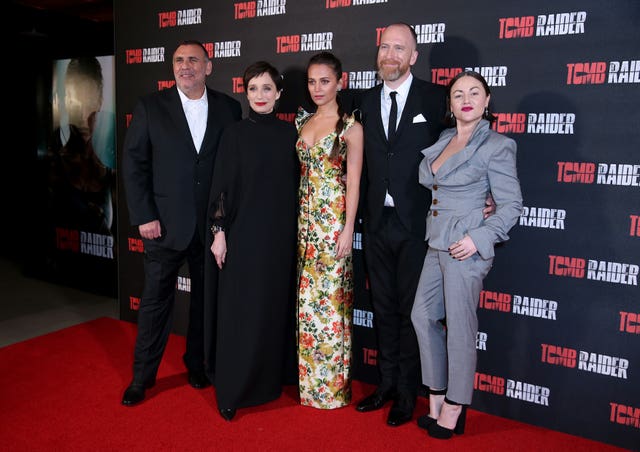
x,y
559,339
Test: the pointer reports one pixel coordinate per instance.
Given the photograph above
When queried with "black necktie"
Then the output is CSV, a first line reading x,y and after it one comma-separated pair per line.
x,y
393,117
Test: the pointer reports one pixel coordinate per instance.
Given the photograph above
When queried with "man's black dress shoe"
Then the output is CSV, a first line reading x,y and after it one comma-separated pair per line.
x,y
227,413
401,411
376,400
135,393
198,379
398,417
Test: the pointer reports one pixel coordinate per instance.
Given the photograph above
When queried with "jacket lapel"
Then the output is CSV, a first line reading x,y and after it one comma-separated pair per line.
x,y
212,127
477,138
373,118
179,118
432,152
411,108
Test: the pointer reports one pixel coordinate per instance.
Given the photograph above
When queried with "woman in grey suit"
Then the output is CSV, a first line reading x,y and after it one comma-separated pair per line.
x,y
467,162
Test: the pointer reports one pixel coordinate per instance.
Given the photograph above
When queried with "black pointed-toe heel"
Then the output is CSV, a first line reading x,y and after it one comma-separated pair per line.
x,y
438,431
227,413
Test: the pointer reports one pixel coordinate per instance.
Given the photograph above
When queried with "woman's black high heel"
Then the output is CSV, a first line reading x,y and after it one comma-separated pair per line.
x,y
425,420
437,431
227,413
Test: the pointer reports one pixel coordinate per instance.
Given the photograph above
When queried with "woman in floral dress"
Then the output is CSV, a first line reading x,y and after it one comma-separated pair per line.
x,y
330,151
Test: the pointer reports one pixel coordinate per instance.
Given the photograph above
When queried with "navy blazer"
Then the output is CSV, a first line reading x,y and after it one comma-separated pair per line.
x,y
165,178
460,186
394,166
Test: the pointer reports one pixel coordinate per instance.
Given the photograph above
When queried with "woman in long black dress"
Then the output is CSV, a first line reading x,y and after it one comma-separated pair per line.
x,y
253,217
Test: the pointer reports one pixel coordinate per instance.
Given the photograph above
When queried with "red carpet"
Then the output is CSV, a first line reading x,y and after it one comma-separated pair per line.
x,y
62,392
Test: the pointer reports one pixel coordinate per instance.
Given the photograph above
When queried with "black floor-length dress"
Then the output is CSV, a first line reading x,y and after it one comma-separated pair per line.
x,y
254,197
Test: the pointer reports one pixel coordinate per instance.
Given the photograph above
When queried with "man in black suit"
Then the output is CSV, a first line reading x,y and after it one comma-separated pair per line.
x,y
395,211
168,158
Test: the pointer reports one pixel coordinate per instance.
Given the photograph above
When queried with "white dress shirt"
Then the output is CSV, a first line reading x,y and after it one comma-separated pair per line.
x,y
196,111
401,100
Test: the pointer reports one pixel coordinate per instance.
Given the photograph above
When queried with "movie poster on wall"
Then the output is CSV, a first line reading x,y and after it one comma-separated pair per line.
x,y
80,172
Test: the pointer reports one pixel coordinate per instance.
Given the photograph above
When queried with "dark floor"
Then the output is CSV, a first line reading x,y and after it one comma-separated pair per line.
x,y
31,307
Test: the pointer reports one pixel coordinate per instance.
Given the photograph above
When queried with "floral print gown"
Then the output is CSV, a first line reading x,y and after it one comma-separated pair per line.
x,y
325,284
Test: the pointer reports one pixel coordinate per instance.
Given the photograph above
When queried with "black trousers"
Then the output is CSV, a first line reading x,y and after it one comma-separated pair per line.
x,y
155,316
394,260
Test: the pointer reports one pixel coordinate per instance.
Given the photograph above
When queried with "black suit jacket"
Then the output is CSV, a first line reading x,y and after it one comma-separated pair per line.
x,y
165,178
394,166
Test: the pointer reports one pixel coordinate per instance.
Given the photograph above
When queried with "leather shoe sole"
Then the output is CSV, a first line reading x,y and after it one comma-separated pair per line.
x,y
198,379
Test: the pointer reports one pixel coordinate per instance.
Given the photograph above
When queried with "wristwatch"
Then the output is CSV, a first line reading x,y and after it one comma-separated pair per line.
x,y
215,228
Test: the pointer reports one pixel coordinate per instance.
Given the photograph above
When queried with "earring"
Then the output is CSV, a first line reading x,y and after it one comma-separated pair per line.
x,y
486,112
451,117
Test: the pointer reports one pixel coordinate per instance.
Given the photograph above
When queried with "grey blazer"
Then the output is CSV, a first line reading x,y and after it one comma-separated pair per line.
x,y
460,186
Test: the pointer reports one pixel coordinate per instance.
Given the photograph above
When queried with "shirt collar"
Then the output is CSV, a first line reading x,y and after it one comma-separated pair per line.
x,y
403,90
185,100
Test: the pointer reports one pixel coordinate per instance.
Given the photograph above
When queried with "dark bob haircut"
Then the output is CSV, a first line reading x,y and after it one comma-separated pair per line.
x,y
262,67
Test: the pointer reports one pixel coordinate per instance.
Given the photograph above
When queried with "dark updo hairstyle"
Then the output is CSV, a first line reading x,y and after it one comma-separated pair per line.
x,y
330,60
262,67
450,120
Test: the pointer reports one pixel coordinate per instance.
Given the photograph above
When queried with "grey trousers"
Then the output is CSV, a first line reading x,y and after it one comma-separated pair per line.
x,y
446,323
